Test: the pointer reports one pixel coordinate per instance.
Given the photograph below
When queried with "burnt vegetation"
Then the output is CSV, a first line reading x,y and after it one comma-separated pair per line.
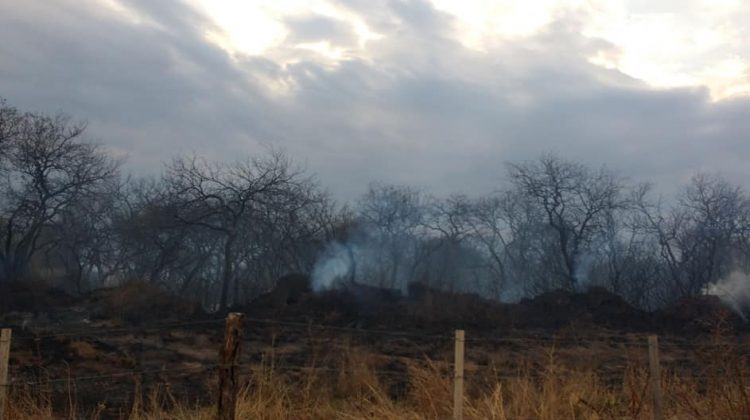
x,y
221,233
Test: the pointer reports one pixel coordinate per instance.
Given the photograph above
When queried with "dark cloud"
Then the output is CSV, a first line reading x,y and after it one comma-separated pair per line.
x,y
148,90
419,108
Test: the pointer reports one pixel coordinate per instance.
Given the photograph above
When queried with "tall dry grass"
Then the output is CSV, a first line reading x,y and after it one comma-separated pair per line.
x,y
357,387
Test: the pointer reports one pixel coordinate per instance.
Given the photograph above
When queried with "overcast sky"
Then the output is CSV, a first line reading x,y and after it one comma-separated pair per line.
x,y
432,94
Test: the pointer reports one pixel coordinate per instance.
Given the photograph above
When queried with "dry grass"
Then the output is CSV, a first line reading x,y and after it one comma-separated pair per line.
x,y
137,301
354,382
356,389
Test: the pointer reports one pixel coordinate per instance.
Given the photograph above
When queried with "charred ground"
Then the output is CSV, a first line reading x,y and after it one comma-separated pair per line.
x,y
112,344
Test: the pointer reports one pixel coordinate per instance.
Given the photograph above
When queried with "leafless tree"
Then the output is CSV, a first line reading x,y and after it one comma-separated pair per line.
x,y
286,238
701,235
152,246
445,251
494,230
223,232
233,200
47,169
574,202
10,120
86,247
626,259
392,218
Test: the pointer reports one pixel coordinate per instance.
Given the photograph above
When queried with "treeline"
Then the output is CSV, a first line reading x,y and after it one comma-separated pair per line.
x,y
222,232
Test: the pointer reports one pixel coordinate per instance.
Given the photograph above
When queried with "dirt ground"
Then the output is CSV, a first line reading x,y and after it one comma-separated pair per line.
x,y
85,351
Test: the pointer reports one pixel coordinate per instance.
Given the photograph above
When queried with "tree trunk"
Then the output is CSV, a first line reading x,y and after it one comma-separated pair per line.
x,y
227,271
353,266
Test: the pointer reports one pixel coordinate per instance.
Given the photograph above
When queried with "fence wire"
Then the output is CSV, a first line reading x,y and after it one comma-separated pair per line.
x,y
98,331
628,340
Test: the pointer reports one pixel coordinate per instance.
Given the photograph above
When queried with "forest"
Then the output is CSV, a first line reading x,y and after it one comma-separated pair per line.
x,y
221,233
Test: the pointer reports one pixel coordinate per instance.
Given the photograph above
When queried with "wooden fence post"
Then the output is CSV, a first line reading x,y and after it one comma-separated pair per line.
x,y
5,335
458,377
655,377
228,376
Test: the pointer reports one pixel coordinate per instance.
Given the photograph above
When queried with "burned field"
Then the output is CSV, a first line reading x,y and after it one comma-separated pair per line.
x,y
107,351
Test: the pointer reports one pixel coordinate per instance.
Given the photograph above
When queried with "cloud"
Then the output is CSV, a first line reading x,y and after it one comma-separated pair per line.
x,y
413,105
316,28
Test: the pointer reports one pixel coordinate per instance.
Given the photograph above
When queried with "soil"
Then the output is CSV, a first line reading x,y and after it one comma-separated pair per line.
x,y
90,346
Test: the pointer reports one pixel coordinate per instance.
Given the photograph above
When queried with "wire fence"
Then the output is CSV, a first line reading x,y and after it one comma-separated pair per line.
x,y
100,332
518,336
345,337
182,358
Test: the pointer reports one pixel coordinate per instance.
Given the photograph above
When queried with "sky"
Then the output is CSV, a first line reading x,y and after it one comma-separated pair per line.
x,y
434,94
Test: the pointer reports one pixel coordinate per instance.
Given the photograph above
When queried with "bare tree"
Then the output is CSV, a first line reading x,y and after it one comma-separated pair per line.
x,y
287,238
10,120
392,217
446,252
151,245
86,247
627,256
231,199
494,230
46,170
574,202
701,235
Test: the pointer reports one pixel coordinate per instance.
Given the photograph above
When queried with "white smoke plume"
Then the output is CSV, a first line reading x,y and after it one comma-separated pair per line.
x,y
334,266
734,291
585,263
367,257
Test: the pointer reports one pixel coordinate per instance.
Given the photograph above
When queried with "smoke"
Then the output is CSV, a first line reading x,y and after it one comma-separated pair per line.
x,y
734,291
334,266
582,272
367,257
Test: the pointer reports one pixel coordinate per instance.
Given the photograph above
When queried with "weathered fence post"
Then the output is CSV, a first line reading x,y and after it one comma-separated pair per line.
x,y
458,377
655,376
228,376
5,335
